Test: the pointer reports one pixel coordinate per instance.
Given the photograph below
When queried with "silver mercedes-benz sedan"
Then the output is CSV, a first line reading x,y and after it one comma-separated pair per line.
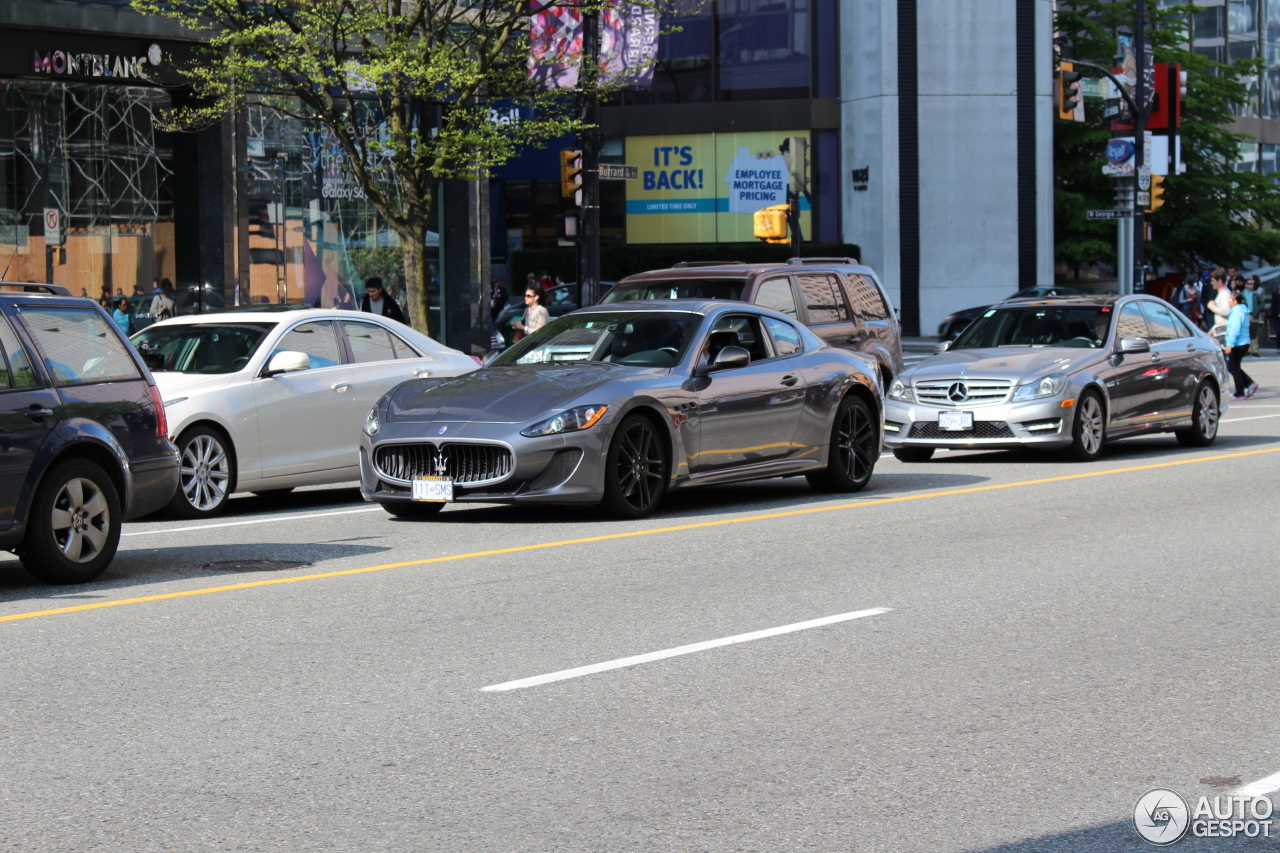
x,y
1066,373
616,404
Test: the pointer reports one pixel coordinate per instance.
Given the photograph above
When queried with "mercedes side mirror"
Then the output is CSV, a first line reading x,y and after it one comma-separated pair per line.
x,y
287,362
941,347
1135,345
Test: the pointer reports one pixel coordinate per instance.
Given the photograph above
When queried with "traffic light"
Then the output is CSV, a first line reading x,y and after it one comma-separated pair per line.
x,y
771,223
1157,193
58,256
1069,95
570,173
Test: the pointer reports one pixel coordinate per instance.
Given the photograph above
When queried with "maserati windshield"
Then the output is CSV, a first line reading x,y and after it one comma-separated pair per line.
x,y
642,339
1082,326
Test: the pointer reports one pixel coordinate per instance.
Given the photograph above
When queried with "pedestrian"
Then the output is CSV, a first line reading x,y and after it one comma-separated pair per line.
x,y
1275,317
121,315
1253,299
1220,304
137,290
345,301
84,293
163,305
378,301
1191,299
497,299
1236,345
535,314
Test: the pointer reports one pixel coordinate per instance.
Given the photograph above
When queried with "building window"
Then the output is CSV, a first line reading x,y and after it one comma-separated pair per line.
x,y
764,48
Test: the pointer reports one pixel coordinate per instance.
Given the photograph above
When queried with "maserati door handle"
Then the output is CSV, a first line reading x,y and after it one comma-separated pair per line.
x,y
789,380
1191,347
340,387
422,371
35,412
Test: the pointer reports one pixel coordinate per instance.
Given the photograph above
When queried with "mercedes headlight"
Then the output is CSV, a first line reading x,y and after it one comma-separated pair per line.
x,y
900,390
1050,386
583,417
371,425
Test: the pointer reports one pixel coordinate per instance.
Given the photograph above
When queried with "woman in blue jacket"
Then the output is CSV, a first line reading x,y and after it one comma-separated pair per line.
x,y
1236,344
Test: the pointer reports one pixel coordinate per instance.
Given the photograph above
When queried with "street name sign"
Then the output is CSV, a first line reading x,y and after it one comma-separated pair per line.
x,y
1110,214
614,172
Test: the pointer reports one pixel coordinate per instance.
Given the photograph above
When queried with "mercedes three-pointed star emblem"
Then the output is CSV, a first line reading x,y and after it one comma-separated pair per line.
x,y
958,392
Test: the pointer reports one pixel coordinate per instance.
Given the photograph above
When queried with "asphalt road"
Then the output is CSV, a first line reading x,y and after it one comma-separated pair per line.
x,y
1028,646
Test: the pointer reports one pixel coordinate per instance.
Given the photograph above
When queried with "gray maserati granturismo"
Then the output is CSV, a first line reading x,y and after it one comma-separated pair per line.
x,y
617,404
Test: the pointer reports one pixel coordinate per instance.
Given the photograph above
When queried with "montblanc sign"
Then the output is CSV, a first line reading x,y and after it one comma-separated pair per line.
x,y
69,64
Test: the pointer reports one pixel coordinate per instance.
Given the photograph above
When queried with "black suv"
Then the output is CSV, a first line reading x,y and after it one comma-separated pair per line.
x,y
83,438
841,301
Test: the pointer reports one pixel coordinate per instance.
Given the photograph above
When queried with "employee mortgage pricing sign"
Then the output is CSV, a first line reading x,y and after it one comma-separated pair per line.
x,y
703,188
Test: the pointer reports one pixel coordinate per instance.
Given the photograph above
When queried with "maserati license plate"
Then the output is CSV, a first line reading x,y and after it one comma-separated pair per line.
x,y
955,421
433,489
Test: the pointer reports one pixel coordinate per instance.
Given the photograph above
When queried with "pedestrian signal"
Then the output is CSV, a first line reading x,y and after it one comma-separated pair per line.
x,y
771,223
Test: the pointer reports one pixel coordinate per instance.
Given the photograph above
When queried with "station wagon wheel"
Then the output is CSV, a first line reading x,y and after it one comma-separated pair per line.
x,y
1204,419
1089,430
75,524
635,476
206,474
855,447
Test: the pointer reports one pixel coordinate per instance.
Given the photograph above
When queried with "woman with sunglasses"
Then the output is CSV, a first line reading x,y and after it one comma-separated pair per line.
x,y
535,314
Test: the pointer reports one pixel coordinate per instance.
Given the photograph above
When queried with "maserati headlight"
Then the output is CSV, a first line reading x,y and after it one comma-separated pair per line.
x,y
900,390
371,425
583,417
1050,386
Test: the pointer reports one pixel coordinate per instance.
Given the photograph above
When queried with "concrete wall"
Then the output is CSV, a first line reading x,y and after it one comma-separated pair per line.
x,y
968,155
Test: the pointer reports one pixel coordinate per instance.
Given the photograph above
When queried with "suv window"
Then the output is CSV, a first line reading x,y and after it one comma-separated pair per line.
x,y
776,293
79,345
317,340
866,298
822,300
1160,322
15,365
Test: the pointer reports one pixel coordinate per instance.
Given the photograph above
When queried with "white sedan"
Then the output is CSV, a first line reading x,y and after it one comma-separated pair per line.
x,y
267,401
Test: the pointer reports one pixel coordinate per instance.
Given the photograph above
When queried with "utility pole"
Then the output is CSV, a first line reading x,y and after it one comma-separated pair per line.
x,y
1139,142
589,145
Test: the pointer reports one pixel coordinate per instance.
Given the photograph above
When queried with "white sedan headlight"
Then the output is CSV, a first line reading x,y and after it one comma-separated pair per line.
x,y
900,390
1050,386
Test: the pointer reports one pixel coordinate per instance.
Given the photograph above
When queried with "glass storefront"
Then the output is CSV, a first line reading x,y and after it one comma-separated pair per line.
x,y
91,152
313,237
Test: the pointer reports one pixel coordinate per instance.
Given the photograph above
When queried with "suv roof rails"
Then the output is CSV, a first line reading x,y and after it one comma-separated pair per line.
x,y
797,262
25,287
679,265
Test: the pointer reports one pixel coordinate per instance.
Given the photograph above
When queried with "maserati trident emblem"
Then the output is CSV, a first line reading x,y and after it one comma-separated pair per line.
x,y
958,392
442,430
442,465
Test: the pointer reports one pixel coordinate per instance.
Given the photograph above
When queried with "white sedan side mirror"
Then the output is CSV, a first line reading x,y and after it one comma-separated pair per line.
x,y
287,362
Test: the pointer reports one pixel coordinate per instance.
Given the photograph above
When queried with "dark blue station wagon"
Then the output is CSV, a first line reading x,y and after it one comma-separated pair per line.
x,y
83,439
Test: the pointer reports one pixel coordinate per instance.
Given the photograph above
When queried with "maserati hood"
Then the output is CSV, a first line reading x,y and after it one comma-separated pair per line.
x,y
502,395
1012,363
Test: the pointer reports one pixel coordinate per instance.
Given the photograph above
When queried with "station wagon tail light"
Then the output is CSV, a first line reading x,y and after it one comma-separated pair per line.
x,y
162,420
583,417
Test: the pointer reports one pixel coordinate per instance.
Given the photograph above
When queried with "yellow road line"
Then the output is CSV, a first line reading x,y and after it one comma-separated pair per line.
x,y
608,536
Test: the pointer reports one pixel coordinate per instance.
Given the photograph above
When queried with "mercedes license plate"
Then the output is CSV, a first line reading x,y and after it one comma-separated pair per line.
x,y
955,421
433,489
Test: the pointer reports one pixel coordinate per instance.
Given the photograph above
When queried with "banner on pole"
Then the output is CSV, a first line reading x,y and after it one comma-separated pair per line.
x,y
628,44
